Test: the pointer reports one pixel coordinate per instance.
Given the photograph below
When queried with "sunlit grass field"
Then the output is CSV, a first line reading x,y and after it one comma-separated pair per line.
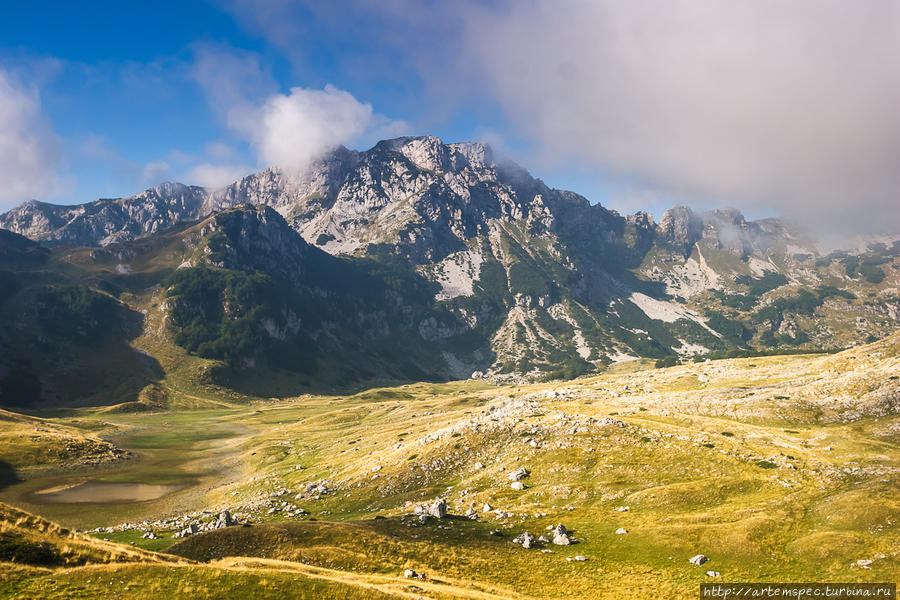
x,y
775,468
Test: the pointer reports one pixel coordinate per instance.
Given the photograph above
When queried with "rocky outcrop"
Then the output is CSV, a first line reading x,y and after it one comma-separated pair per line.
x,y
680,228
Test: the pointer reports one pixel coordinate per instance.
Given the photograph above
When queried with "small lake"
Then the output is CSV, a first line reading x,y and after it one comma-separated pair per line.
x,y
103,492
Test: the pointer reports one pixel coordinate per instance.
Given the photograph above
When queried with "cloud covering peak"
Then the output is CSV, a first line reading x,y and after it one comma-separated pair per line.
x,y
784,107
787,105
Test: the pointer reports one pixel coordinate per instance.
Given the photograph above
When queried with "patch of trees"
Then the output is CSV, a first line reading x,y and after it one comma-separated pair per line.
x,y
760,285
76,313
731,329
218,313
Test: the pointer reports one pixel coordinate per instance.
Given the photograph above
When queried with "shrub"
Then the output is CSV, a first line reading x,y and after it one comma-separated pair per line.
x,y
668,361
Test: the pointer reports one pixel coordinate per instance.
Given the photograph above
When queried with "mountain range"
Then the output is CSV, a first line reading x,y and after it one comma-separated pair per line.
x,y
413,260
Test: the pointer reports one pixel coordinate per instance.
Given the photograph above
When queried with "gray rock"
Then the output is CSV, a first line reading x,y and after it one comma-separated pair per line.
x,y
224,520
525,539
561,535
437,509
519,474
698,560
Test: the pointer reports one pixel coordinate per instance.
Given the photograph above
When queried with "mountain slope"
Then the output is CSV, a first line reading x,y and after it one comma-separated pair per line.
x,y
487,269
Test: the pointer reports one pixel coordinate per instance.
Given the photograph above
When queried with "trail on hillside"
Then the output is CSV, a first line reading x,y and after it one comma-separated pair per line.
x,y
399,586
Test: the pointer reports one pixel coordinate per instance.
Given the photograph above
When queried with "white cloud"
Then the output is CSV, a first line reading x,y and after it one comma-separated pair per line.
x,y
286,130
216,176
291,130
155,172
28,149
221,151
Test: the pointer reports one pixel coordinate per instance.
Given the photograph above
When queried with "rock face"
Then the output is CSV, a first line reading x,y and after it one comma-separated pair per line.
x,y
537,281
224,520
680,228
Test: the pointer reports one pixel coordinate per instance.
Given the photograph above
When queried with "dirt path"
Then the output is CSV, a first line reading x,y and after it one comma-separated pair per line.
x,y
397,586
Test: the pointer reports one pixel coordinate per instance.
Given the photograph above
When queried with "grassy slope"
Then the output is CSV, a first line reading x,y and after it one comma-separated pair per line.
x,y
777,468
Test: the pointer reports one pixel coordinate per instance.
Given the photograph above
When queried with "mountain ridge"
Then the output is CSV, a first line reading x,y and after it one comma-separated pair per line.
x,y
481,268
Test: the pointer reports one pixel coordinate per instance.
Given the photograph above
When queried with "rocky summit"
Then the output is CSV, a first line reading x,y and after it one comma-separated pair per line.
x,y
482,269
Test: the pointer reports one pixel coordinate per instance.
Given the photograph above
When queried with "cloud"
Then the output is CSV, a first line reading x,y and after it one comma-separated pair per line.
x,y
232,79
155,172
216,176
285,130
291,130
28,148
776,106
790,106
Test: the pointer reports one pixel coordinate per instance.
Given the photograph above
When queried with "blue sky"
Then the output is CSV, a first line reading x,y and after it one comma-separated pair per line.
x,y
115,88
785,108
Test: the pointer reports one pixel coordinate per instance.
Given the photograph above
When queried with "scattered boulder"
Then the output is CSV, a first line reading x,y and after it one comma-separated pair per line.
x,y
187,531
713,574
150,536
579,558
621,531
487,507
561,535
526,539
517,485
224,520
437,509
519,474
410,574
698,560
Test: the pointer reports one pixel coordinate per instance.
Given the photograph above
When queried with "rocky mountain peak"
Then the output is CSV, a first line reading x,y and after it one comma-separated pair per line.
x,y
429,153
681,228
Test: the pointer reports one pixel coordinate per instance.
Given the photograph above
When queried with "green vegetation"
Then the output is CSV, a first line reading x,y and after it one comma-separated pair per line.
x,y
220,313
76,312
731,329
757,286
669,361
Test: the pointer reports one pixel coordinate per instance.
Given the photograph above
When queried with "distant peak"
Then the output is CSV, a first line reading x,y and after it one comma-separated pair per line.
x,y
728,215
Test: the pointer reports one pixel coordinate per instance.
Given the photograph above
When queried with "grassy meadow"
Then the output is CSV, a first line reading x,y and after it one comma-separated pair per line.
x,y
783,468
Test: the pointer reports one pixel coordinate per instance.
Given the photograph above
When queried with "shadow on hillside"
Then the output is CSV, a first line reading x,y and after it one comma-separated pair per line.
x,y
8,475
74,350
